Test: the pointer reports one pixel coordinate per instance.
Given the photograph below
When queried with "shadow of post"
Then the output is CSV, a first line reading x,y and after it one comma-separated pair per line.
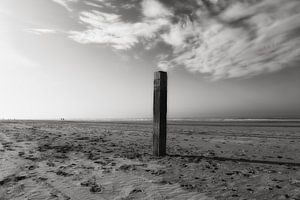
x,y
216,158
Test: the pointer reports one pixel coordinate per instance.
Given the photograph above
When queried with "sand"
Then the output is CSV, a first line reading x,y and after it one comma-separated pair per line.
x,y
112,160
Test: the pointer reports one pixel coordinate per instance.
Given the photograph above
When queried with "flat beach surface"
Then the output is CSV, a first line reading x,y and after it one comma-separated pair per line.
x,y
113,160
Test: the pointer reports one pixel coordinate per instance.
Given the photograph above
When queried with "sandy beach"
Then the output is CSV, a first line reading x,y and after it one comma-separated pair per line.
x,y
113,160
150,100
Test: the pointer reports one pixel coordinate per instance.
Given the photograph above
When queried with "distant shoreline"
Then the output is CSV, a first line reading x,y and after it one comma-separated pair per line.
x,y
178,122
169,119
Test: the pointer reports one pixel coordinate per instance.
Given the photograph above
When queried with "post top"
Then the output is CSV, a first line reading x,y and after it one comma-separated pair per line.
x,y
160,74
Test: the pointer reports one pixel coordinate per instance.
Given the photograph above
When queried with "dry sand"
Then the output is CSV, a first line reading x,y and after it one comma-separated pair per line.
x,y
102,160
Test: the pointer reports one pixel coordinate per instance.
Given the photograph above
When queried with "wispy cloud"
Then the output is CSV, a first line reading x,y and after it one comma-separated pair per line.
x,y
241,41
154,9
40,31
110,29
217,38
65,3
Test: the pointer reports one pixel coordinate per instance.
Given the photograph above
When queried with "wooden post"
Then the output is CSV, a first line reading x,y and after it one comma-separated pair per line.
x,y
160,113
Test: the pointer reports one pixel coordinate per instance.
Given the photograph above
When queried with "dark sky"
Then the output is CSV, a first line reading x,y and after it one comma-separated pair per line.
x,y
95,59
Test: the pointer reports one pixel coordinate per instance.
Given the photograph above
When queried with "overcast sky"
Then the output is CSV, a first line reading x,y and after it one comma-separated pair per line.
x,y
93,59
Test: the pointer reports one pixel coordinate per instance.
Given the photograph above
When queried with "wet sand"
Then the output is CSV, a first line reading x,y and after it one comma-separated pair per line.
x,y
113,160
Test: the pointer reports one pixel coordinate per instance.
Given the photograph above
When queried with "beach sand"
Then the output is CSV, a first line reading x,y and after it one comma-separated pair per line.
x,y
113,160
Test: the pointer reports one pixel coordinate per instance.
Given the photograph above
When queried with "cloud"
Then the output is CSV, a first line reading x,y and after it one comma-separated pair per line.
x,y
40,31
153,9
221,39
180,34
65,3
242,41
109,29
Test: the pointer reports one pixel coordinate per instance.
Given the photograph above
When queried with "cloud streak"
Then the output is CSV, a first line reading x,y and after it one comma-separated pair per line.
x,y
221,39
65,3
40,31
105,28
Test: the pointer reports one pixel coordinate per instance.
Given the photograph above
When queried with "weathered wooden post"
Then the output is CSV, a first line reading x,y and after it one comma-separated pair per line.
x,y
160,113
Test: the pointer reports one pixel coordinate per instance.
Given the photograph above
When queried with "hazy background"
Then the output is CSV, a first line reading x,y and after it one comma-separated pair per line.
x,y
94,59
